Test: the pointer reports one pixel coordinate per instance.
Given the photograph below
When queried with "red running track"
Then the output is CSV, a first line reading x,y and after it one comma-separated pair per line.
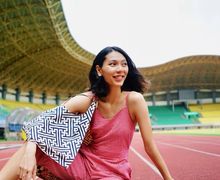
x,y
187,157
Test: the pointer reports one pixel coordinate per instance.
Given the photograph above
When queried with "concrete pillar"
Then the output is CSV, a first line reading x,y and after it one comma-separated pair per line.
x,y
214,96
197,96
153,99
168,97
44,98
30,96
4,91
57,99
17,94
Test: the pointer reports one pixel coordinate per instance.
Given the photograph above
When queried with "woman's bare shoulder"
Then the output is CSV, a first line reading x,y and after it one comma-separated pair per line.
x,y
135,100
80,102
135,97
89,94
136,103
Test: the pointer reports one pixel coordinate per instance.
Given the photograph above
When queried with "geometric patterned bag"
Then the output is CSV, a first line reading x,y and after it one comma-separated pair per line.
x,y
60,133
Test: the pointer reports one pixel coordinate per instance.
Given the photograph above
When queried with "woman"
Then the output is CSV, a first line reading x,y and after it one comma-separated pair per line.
x,y
117,86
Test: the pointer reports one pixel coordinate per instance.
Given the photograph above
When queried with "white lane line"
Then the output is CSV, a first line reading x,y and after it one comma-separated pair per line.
x,y
2,147
190,149
4,159
202,142
146,161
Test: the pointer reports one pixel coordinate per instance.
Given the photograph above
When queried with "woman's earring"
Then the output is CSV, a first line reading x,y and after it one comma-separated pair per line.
x,y
98,76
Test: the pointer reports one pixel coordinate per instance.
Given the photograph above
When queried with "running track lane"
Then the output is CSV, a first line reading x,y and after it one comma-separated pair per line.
x,y
187,157
5,155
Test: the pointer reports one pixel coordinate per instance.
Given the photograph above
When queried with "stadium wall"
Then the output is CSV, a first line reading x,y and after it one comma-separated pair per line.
x,y
200,96
12,94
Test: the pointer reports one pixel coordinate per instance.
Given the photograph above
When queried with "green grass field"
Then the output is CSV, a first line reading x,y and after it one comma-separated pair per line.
x,y
205,132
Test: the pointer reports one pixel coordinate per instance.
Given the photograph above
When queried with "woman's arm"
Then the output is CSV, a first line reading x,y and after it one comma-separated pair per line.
x,y
23,163
139,113
79,103
27,165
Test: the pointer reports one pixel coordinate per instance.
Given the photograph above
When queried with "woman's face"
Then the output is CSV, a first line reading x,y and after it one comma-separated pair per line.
x,y
114,69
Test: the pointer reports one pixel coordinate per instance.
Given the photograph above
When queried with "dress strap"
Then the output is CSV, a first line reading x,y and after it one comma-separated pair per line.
x,y
126,98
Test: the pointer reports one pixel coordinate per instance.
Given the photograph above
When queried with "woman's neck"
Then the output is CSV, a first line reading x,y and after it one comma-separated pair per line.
x,y
113,96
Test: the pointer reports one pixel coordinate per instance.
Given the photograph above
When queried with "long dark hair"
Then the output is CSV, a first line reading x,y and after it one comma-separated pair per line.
x,y
133,82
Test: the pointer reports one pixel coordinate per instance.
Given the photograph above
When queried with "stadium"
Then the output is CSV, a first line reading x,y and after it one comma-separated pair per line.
x,y
41,66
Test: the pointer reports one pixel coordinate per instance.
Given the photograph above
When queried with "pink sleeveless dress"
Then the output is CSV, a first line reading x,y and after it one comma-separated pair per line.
x,y
106,157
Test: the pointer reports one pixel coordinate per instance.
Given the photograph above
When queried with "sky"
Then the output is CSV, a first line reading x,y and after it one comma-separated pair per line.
x,y
152,32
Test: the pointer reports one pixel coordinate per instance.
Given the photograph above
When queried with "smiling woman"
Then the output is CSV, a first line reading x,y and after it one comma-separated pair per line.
x,y
117,62
116,85
114,69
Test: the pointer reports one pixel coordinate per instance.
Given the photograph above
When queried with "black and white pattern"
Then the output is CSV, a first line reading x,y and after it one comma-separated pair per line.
x,y
59,133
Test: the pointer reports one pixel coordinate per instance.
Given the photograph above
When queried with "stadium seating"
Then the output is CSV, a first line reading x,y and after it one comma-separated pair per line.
x,y
11,105
164,115
210,113
4,112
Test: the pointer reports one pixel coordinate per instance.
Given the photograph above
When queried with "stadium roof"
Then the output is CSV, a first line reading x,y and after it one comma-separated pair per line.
x,y
38,53
193,72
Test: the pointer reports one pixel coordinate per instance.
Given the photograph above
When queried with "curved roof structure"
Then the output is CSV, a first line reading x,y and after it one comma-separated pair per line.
x,y
37,52
193,72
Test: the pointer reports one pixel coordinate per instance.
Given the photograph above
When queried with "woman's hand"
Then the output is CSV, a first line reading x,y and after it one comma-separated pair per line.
x,y
28,166
168,178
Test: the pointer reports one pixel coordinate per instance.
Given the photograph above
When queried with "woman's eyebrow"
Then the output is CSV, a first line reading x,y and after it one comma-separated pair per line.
x,y
118,60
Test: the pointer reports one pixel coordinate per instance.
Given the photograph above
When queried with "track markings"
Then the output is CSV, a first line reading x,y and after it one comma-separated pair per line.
x,y
204,142
190,149
146,161
2,146
4,159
